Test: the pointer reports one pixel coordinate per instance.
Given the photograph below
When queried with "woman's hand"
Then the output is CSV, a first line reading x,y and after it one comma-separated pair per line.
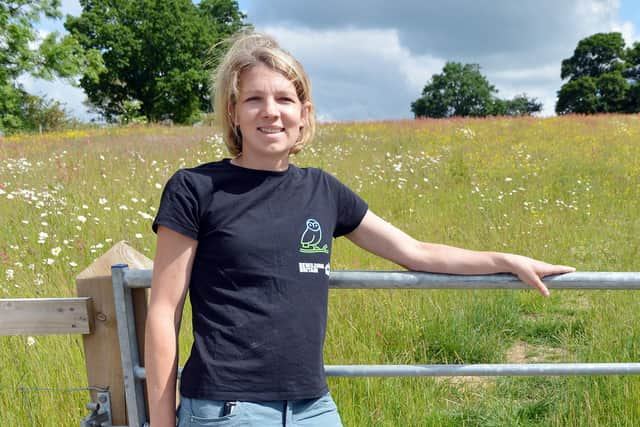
x,y
530,271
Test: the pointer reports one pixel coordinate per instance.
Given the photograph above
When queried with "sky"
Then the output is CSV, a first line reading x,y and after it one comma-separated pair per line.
x,y
369,59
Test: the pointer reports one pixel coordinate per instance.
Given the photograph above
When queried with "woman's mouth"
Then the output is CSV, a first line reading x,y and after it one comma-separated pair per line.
x,y
270,129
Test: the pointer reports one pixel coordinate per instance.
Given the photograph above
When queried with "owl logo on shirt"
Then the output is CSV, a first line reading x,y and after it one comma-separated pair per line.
x,y
311,238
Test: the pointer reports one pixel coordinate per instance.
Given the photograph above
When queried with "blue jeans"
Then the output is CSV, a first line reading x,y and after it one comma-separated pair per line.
x,y
319,412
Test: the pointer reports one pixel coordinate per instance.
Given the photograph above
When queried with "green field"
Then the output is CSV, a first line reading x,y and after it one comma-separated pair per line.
x,y
565,190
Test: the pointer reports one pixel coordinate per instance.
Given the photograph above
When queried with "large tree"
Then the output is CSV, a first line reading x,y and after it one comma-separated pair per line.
x,y
602,77
157,54
519,105
632,73
461,90
22,51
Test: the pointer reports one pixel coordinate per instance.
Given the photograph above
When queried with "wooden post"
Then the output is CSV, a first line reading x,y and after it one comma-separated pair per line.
x,y
101,348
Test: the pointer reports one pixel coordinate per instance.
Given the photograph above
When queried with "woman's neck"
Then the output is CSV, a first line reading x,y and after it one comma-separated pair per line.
x,y
261,163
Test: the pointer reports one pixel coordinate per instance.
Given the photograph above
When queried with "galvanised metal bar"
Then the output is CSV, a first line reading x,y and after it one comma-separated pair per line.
x,y
483,370
418,280
475,370
134,392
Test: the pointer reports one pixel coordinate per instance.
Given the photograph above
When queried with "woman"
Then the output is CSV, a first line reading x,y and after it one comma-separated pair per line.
x,y
251,239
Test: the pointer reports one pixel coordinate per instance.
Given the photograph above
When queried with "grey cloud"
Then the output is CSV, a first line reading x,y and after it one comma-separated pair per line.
x,y
518,44
357,75
456,30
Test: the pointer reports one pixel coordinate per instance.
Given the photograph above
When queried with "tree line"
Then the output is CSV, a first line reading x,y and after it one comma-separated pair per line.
x,y
146,60
602,76
150,60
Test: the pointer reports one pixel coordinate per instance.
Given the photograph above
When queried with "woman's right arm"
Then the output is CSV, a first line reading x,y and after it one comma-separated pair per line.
x,y
171,273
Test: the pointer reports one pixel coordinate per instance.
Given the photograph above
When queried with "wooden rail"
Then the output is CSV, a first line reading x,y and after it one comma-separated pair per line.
x,y
46,316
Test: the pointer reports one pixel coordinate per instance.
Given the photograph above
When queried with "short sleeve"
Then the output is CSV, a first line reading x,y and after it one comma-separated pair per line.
x,y
350,208
179,206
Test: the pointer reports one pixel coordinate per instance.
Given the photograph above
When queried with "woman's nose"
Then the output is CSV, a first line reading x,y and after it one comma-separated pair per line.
x,y
270,108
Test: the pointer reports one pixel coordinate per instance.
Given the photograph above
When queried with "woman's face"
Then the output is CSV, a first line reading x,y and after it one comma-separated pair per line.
x,y
268,112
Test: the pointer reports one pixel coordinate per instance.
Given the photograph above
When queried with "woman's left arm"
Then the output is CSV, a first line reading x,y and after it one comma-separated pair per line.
x,y
381,238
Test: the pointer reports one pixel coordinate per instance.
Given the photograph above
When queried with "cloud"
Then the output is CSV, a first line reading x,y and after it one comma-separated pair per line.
x,y
373,57
456,29
71,7
358,74
59,90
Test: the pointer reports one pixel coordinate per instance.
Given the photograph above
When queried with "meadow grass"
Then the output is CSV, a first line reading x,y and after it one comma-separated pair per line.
x,y
565,190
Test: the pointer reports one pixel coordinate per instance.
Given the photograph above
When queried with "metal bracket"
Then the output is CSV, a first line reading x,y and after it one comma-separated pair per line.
x,y
100,412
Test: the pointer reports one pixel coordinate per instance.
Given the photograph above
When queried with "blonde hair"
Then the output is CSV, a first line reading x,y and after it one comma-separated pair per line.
x,y
247,50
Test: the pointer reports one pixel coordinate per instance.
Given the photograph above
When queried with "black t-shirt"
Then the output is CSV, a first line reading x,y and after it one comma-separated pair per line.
x,y
259,283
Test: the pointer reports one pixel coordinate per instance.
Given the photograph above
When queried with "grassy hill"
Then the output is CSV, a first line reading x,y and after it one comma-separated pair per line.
x,y
565,190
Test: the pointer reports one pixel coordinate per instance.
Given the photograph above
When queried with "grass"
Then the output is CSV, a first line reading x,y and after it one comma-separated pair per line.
x,y
566,190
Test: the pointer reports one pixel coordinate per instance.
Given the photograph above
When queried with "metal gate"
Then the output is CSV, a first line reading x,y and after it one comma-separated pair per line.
x,y
124,280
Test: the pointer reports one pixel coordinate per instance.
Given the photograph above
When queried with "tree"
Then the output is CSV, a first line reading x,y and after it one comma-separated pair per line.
x,y
461,90
578,96
156,54
602,77
54,56
632,74
595,55
520,105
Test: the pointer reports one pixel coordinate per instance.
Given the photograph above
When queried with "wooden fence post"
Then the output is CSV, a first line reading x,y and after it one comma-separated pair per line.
x,y
101,348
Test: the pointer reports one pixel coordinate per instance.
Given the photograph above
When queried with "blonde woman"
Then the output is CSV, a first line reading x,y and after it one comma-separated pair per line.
x,y
250,237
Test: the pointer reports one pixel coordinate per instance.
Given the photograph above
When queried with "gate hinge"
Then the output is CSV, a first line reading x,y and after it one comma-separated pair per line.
x,y
100,412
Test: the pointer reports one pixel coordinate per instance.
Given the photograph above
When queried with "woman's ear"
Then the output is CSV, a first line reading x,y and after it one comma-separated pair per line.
x,y
231,111
307,107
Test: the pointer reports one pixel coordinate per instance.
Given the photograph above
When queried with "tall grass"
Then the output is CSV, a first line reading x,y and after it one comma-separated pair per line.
x,y
565,190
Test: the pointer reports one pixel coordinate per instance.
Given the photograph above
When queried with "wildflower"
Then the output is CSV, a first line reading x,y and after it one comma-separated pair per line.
x,y
56,251
82,218
102,201
49,261
73,264
31,341
145,215
138,236
9,274
123,207
507,179
42,235
158,186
